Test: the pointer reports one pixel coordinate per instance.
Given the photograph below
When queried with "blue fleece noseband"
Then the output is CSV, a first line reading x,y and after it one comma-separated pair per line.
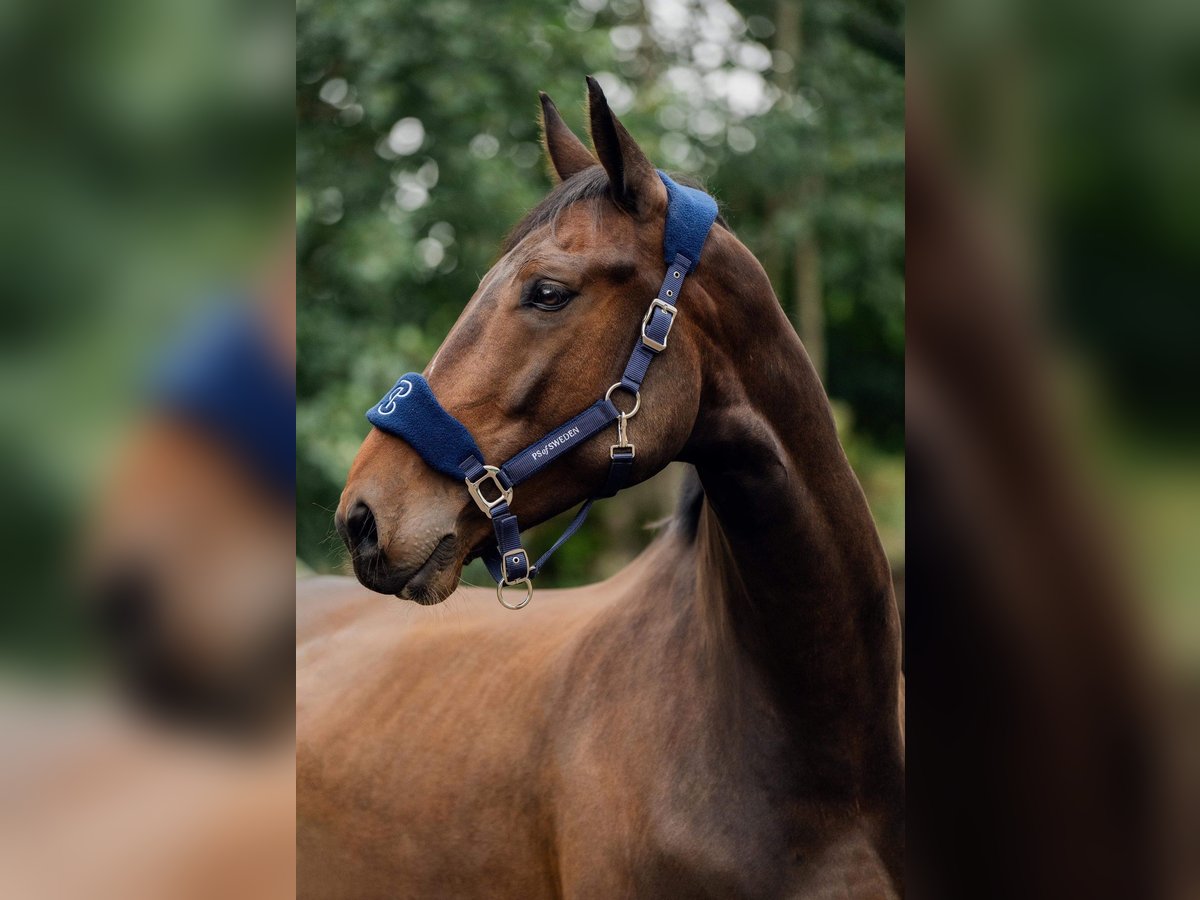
x,y
411,412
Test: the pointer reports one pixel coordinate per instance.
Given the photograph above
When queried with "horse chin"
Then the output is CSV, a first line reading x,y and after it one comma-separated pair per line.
x,y
424,595
432,585
427,578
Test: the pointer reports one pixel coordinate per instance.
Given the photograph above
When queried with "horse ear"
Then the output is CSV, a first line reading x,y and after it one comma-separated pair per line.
x,y
566,152
635,184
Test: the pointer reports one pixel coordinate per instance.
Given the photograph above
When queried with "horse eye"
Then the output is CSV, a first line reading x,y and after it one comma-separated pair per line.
x,y
549,296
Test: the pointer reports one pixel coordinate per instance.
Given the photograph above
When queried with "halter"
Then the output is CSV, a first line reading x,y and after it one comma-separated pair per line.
x,y
411,412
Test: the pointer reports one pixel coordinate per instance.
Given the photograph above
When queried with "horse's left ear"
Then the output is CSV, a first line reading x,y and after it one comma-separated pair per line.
x,y
566,152
634,181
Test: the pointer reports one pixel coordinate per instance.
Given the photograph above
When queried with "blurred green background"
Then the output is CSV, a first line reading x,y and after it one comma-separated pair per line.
x,y
417,149
145,167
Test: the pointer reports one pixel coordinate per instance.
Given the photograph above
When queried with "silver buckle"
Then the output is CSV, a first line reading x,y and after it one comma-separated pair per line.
x,y
492,474
658,346
504,565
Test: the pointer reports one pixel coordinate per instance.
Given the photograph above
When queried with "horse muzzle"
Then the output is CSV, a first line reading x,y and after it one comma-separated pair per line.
x,y
421,566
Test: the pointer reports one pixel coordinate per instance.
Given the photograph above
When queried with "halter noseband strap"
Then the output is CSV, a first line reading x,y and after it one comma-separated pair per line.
x,y
411,411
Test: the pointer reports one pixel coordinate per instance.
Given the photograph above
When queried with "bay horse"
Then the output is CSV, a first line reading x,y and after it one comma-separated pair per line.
x,y
723,717
188,560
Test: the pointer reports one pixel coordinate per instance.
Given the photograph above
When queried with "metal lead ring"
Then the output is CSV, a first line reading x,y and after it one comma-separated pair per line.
x,y
528,593
637,400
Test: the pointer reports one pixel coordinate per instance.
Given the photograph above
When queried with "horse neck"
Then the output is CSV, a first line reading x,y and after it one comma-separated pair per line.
x,y
788,551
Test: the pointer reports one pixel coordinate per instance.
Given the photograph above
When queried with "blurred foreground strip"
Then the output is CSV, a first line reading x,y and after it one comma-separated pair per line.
x,y
96,804
1053,592
146,686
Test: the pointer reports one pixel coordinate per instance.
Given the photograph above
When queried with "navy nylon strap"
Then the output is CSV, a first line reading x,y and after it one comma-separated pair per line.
x,y
508,562
410,411
515,557
619,471
576,523
657,325
561,440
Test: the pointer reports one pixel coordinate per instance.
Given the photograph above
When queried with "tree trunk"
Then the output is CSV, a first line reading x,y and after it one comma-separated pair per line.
x,y
810,299
808,296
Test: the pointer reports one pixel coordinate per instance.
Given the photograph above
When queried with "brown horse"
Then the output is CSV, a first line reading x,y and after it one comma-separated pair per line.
x,y
189,558
720,719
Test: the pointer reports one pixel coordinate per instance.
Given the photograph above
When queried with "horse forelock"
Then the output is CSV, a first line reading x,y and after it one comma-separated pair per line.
x,y
588,185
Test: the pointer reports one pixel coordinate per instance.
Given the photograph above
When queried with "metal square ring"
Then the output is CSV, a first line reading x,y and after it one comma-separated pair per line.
x,y
492,474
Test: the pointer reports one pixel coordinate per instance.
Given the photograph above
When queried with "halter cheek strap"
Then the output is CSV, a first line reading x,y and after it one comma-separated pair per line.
x,y
411,412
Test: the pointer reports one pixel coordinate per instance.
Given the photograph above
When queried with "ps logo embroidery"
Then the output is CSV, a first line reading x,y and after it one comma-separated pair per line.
x,y
387,406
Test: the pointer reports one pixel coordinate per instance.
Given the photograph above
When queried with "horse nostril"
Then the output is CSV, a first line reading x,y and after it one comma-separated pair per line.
x,y
360,534
124,608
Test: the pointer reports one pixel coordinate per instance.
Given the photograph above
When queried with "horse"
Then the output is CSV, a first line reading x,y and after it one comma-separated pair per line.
x,y
188,563
721,718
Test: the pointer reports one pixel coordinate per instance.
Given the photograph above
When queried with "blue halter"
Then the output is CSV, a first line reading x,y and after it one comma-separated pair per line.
x,y
411,411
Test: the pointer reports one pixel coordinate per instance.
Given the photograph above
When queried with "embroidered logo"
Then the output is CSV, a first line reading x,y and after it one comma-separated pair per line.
x,y
387,405
556,443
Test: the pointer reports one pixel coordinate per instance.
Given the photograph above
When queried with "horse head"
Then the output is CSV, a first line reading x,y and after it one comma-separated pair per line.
x,y
545,334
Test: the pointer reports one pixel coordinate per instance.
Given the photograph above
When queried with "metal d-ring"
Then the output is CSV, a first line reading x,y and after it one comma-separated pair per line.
x,y
637,399
528,593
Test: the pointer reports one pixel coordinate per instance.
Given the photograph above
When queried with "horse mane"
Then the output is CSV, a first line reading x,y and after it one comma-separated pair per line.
x,y
588,185
690,504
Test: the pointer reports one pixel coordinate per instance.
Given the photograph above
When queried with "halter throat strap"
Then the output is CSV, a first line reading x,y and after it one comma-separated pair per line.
x,y
411,412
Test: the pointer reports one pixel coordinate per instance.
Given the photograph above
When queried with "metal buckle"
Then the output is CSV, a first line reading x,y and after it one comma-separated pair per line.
x,y
528,594
658,346
504,565
492,474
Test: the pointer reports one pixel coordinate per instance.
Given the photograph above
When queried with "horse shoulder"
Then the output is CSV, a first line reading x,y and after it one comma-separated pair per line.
x,y
655,793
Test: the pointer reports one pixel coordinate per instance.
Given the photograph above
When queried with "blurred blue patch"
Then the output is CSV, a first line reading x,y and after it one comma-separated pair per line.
x,y
223,376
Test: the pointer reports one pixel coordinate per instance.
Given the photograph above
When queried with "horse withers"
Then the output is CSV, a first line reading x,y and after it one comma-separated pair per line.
x,y
722,718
